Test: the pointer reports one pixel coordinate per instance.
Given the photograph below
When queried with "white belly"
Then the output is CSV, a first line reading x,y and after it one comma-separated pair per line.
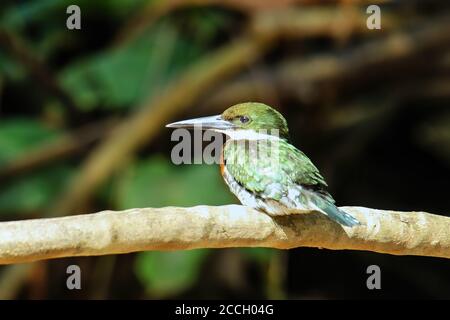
x,y
271,207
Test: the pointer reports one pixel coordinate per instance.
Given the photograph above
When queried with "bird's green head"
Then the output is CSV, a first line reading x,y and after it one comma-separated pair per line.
x,y
241,120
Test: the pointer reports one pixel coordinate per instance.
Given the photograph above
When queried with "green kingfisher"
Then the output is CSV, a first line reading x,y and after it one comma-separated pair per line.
x,y
262,168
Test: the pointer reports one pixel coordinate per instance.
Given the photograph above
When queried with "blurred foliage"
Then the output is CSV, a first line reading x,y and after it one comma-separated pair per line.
x,y
169,273
121,77
46,13
135,191
36,191
19,135
374,121
262,255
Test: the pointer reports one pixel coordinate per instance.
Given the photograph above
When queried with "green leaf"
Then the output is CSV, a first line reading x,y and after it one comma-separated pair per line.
x,y
34,192
168,273
260,255
17,16
122,77
46,11
10,69
157,183
17,136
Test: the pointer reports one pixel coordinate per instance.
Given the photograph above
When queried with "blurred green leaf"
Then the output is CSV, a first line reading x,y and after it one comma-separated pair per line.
x,y
42,11
17,16
19,135
34,192
157,183
169,273
123,76
10,68
260,255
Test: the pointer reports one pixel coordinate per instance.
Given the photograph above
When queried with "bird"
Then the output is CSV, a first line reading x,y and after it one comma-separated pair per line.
x,y
262,168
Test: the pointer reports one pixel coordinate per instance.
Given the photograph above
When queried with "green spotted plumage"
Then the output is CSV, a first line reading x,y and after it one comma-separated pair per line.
x,y
279,187
290,166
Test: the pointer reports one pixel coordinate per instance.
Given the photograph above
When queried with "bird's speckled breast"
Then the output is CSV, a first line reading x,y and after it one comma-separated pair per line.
x,y
239,155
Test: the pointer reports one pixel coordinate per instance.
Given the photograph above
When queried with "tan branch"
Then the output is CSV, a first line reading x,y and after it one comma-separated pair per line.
x,y
173,228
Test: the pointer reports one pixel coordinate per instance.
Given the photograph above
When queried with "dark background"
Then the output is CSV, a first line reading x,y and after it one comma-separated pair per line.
x,y
369,107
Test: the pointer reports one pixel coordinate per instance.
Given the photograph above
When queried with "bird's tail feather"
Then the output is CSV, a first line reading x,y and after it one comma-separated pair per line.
x,y
334,213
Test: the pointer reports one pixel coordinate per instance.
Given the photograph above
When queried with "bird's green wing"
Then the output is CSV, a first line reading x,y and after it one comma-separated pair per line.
x,y
287,176
262,168
302,168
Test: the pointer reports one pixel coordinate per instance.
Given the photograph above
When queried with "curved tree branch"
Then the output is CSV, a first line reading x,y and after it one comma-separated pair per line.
x,y
173,228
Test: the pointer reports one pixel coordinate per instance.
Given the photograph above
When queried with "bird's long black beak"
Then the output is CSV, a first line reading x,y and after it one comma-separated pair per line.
x,y
205,123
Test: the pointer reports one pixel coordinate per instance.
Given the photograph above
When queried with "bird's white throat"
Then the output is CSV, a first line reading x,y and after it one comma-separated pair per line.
x,y
240,134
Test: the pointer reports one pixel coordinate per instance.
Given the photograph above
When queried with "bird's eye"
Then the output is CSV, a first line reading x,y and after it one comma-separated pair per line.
x,y
244,119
